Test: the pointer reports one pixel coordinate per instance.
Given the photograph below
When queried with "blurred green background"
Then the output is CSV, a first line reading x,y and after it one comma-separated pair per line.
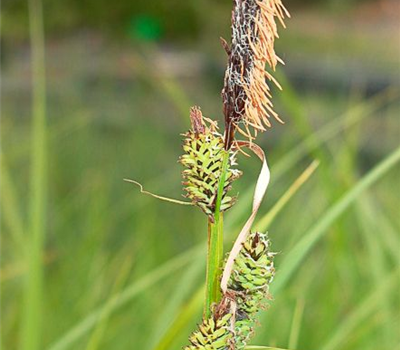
x,y
109,268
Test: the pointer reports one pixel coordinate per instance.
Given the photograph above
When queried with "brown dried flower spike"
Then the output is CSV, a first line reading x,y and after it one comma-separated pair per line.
x,y
246,94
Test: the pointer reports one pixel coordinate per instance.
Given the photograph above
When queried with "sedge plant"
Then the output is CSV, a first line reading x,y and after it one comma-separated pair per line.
x,y
234,292
236,287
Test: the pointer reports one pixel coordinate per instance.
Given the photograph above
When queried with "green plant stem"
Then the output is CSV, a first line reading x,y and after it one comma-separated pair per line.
x,y
214,259
31,335
215,246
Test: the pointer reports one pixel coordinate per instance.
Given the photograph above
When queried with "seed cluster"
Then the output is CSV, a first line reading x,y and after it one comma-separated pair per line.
x,y
212,334
246,93
203,158
252,273
233,320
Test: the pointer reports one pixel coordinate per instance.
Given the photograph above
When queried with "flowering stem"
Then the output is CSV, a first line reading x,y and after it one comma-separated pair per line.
x,y
215,246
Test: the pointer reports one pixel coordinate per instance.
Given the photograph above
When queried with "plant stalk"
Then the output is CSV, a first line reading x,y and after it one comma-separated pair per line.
x,y
215,246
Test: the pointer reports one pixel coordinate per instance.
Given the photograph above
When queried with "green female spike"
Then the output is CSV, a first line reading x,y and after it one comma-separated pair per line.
x,y
251,275
232,322
203,160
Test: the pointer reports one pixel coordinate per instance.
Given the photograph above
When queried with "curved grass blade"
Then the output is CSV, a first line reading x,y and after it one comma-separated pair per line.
x,y
295,256
263,224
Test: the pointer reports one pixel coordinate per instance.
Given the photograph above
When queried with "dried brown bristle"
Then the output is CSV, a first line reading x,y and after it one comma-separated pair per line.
x,y
246,93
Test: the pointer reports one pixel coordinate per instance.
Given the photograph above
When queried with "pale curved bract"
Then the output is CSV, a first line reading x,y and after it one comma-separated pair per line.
x,y
259,192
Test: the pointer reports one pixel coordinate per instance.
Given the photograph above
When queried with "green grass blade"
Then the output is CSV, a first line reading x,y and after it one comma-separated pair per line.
x,y
263,224
121,299
295,256
296,324
94,341
181,293
183,317
346,120
11,213
32,321
365,213
390,236
366,307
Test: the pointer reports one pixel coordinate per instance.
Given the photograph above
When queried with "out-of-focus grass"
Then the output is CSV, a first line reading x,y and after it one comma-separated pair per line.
x,y
119,266
35,237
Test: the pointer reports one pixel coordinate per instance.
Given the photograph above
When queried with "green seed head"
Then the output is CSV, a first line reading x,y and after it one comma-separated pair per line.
x,y
254,268
252,273
212,334
233,319
203,158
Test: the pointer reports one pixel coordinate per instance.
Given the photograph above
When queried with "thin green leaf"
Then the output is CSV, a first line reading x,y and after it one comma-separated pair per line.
x,y
296,324
183,287
10,207
365,214
390,235
94,341
314,139
295,256
32,322
263,224
121,299
183,317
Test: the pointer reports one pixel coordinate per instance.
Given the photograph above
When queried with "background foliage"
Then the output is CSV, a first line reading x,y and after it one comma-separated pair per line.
x,y
117,18
124,271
